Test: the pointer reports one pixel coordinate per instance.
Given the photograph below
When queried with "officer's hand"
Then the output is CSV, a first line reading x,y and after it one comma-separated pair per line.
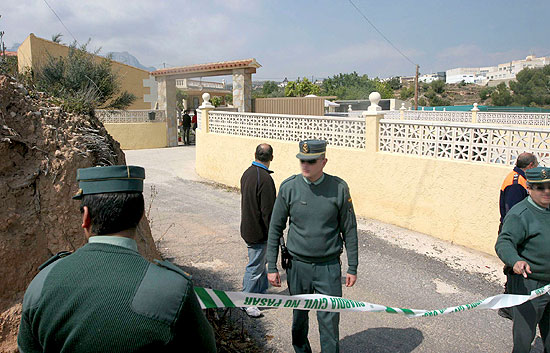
x,y
522,268
350,280
274,279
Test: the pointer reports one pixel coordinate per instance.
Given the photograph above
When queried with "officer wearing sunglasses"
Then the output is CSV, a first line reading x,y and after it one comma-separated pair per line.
x,y
322,221
524,244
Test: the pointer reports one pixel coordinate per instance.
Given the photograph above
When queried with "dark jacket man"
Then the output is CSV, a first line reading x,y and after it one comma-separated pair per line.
x,y
257,199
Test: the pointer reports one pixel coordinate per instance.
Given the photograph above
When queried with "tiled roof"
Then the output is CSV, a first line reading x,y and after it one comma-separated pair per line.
x,y
222,65
10,53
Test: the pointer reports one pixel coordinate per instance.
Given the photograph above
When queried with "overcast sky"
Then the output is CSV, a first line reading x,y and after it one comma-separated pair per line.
x,y
295,38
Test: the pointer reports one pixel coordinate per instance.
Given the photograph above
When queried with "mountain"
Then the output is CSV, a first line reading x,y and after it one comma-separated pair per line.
x,y
14,47
128,59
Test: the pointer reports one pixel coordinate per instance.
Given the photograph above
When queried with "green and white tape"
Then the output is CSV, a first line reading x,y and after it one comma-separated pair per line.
x,y
211,298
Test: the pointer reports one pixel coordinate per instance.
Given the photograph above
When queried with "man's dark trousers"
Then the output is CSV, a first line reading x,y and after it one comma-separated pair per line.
x,y
527,315
321,278
186,135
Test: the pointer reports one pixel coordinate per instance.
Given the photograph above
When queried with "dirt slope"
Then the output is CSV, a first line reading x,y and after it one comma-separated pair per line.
x,y
41,148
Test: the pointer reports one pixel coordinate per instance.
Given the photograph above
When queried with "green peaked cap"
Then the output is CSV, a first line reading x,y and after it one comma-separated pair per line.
x,y
116,178
311,149
538,175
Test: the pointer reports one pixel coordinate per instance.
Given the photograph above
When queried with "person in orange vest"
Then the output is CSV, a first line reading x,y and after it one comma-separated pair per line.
x,y
512,191
514,186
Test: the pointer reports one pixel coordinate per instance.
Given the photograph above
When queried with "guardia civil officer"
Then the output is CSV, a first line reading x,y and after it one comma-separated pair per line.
x,y
523,245
105,297
322,221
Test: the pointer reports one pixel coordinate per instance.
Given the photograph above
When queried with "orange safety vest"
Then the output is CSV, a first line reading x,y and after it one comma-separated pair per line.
x,y
513,178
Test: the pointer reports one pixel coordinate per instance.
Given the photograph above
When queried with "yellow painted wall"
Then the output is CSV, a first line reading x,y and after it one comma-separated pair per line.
x,y
138,136
454,201
34,52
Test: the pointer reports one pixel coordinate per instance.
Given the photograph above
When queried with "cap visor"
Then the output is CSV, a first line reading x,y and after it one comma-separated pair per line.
x,y
308,157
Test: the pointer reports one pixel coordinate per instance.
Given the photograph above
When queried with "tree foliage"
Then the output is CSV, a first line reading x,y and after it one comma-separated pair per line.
x,y
301,88
485,93
354,86
270,89
180,96
81,82
406,93
216,101
501,95
532,87
438,86
56,38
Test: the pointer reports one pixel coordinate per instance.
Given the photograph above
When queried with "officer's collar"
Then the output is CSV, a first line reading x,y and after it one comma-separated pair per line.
x,y
124,242
316,182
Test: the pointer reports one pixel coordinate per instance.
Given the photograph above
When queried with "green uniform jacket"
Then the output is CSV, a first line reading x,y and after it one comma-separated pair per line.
x,y
321,221
525,236
108,298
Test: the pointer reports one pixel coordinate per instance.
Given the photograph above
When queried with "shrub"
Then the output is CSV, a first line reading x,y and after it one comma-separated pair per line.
x,y
81,82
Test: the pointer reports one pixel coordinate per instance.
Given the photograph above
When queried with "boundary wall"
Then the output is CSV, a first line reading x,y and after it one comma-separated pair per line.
x,y
456,201
135,136
34,52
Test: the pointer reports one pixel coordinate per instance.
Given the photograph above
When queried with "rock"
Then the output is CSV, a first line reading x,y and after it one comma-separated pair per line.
x,y
40,156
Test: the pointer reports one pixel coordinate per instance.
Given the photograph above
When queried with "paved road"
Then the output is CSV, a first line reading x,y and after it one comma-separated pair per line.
x,y
196,225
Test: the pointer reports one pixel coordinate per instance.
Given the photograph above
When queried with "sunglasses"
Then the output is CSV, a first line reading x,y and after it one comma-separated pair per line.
x,y
540,187
309,161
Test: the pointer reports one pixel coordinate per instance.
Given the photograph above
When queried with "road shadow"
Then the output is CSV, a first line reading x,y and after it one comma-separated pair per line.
x,y
243,327
383,340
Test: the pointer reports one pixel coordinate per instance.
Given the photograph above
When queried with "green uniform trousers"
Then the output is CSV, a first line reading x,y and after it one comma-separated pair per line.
x,y
310,278
527,315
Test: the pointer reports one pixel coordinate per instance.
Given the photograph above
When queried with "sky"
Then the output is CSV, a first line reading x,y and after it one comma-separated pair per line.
x,y
295,38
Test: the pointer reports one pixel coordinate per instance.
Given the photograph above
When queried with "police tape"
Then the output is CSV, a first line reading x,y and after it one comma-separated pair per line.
x,y
211,298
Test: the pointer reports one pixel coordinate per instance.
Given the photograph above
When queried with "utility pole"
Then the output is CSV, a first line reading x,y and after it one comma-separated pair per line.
x,y
416,89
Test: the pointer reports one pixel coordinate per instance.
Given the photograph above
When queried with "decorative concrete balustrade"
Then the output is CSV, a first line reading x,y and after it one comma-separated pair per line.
x,y
342,132
442,135
473,116
129,116
463,142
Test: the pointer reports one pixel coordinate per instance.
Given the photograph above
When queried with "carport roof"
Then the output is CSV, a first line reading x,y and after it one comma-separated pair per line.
x,y
209,67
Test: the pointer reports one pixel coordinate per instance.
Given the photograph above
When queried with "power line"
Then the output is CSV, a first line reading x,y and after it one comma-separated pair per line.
x,y
382,34
60,21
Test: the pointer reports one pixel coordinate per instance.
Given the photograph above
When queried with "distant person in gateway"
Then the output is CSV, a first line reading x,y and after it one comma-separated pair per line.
x,y
186,124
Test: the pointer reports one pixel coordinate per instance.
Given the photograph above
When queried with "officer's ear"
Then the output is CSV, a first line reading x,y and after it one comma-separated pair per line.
x,y
86,221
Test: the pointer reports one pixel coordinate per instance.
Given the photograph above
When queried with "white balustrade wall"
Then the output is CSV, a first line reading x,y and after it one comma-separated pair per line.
x,y
469,142
464,142
129,116
535,119
504,118
343,132
459,117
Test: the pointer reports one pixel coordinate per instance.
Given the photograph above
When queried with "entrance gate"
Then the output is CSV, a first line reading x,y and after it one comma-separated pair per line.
x,y
241,70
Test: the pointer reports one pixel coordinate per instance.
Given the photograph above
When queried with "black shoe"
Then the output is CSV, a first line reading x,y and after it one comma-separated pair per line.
x,y
505,313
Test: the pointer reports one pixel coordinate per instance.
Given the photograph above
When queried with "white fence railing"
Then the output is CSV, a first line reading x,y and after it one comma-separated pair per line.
x,y
343,132
535,119
129,116
504,118
464,142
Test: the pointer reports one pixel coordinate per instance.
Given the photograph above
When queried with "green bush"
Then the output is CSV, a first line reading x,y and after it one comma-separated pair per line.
x,y
216,101
485,93
406,93
438,86
81,83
